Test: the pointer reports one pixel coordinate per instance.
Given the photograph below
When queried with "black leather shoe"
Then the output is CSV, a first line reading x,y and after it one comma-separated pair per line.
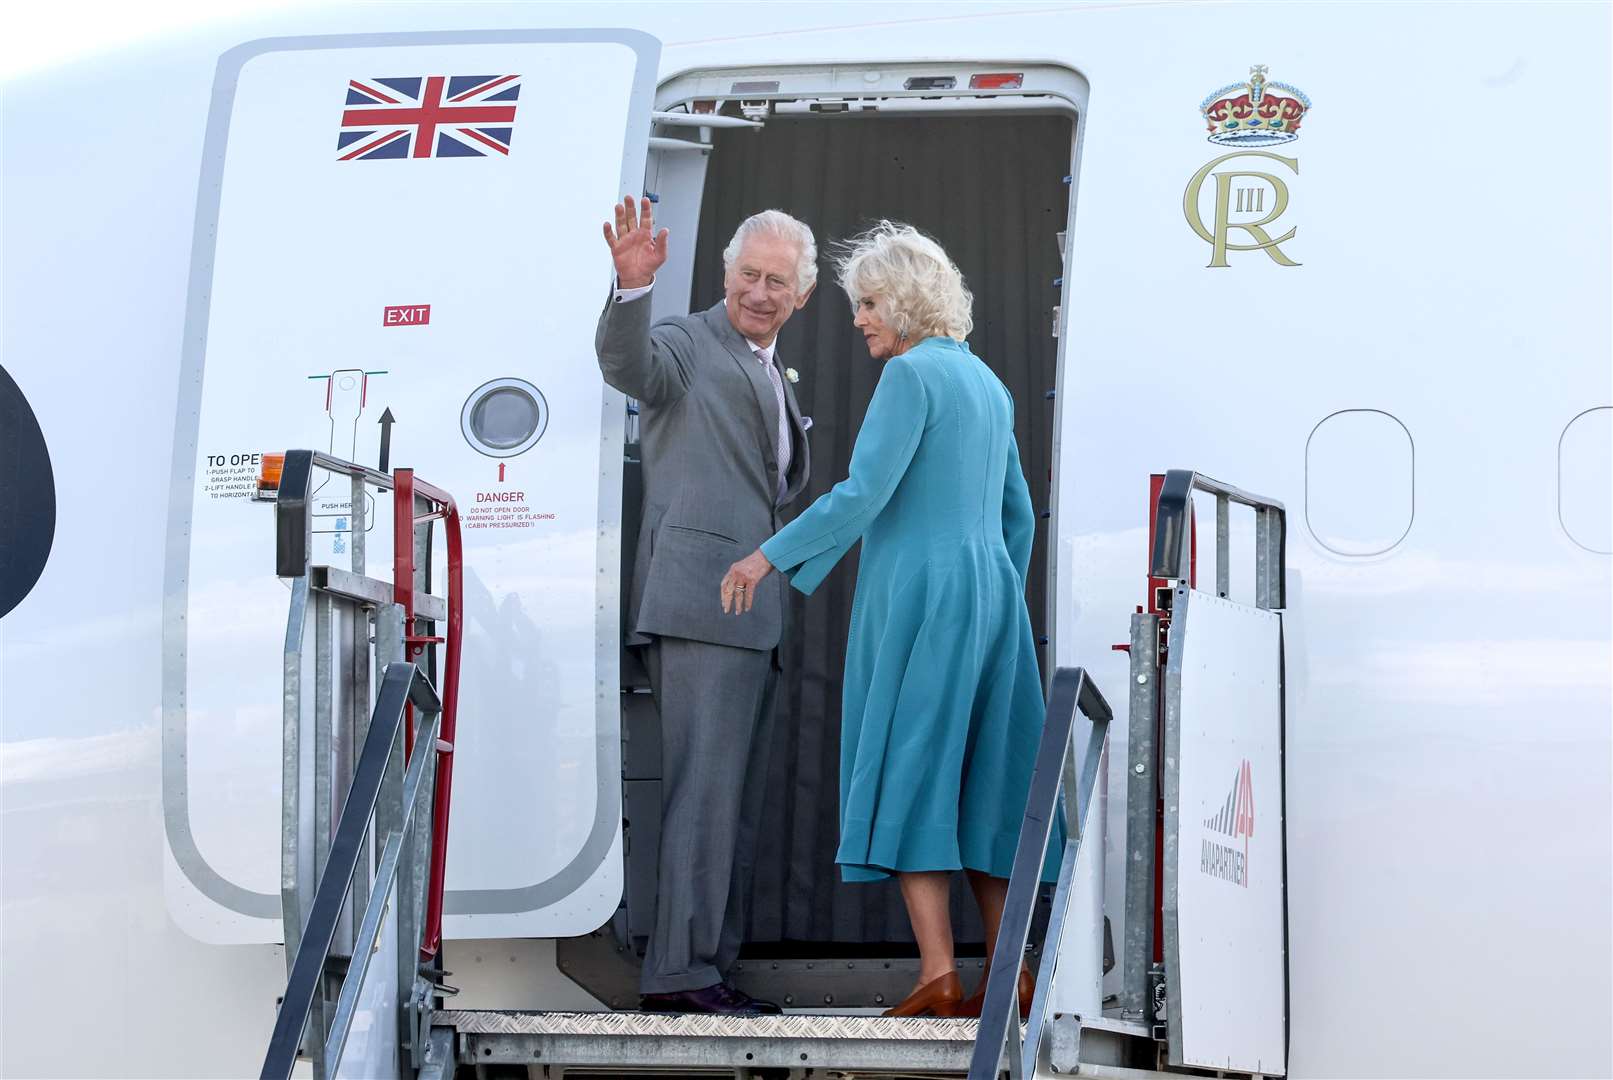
x,y
719,999
765,1008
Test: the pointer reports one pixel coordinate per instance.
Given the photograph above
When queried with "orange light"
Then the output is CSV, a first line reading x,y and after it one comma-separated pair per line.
x,y
269,472
1002,81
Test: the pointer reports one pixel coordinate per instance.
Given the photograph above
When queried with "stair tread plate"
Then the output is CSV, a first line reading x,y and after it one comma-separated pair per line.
x,y
671,1025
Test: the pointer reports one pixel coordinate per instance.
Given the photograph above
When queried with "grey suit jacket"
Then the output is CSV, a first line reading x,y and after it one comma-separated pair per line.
x,y
708,429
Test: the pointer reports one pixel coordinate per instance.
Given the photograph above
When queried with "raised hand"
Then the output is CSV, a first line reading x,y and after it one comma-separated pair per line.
x,y
634,245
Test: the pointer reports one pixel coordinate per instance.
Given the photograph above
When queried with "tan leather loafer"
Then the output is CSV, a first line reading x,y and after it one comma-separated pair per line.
x,y
938,997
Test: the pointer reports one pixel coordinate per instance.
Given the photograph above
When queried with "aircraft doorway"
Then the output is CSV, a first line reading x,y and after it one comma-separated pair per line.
x,y
989,179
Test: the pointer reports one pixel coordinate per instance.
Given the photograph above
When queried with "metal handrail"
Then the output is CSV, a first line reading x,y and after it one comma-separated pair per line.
x,y
402,685
386,874
291,764
294,541
1054,773
410,487
1171,558
293,523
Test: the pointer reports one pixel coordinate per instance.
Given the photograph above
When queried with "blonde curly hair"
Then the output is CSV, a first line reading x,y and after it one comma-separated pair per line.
x,y
916,287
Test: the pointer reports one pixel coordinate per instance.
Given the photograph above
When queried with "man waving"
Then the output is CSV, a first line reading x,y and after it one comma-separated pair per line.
x,y
724,447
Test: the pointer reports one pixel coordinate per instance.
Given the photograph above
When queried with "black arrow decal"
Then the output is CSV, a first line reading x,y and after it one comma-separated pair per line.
x,y
387,420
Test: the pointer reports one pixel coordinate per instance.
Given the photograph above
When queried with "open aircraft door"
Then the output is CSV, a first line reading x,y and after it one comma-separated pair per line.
x,y
397,245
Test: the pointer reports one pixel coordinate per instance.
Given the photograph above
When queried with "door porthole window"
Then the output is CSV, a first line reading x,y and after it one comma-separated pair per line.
x,y
504,417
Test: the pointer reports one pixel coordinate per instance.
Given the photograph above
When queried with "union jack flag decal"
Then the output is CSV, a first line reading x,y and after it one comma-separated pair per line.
x,y
428,116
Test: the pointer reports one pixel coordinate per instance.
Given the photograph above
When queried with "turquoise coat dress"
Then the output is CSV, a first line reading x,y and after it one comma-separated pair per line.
x,y
942,706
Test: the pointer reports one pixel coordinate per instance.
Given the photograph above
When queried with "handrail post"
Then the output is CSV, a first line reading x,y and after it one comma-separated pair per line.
x,y
1054,771
1223,557
293,519
1142,802
357,516
296,892
324,794
1269,558
403,564
359,620
1063,894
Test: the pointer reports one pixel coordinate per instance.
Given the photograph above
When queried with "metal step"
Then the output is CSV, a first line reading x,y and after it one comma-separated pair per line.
x,y
642,1040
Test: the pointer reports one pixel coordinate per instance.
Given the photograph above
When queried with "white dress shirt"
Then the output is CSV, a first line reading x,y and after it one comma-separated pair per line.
x,y
622,295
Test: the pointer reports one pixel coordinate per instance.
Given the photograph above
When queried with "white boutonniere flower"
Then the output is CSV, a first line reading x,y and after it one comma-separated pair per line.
x,y
792,375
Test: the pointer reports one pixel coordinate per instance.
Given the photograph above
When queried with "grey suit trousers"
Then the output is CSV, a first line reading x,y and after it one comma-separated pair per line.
x,y
716,706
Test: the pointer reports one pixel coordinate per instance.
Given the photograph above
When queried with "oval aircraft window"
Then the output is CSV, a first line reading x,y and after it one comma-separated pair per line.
x,y
504,417
1360,482
1584,480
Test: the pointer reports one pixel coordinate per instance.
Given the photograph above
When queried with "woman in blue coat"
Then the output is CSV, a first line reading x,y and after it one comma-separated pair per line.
x,y
942,708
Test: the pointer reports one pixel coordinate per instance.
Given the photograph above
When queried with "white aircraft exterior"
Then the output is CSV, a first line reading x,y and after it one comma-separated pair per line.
x,y
1396,323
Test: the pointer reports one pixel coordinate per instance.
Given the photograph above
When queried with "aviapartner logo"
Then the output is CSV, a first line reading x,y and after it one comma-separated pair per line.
x,y
1235,819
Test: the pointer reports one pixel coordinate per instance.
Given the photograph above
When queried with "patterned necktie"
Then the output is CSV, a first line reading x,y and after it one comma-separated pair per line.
x,y
783,421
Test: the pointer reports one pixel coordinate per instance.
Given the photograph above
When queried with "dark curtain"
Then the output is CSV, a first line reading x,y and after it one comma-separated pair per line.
x,y
992,191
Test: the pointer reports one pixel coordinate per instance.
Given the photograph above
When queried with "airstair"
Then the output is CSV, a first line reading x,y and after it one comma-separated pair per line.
x,y
1202,982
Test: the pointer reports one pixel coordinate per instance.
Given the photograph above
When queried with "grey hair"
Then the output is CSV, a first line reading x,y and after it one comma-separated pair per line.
x,y
916,287
778,223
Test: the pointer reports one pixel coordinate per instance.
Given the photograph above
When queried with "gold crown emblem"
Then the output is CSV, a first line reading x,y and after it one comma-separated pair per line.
x,y
1254,113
